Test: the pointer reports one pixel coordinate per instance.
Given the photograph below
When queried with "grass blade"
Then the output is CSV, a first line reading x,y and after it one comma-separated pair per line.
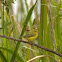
x,y
11,52
25,24
3,57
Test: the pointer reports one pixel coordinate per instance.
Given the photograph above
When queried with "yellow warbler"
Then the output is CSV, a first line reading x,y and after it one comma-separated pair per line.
x,y
30,36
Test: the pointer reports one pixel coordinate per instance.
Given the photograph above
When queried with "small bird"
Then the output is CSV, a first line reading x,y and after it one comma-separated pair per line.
x,y
32,35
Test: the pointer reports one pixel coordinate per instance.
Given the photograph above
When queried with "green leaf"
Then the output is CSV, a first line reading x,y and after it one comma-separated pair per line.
x,y
7,17
11,52
25,24
3,57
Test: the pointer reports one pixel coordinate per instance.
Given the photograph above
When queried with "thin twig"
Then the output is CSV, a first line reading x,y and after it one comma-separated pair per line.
x,y
3,17
49,7
36,58
46,49
40,56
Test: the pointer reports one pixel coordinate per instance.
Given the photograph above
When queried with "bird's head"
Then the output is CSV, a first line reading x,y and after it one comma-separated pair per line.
x,y
35,28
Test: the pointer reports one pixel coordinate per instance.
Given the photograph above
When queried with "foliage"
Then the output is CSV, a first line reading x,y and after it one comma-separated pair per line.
x,y
48,22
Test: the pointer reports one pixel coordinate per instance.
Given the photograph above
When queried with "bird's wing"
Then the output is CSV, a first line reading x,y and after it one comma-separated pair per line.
x,y
29,35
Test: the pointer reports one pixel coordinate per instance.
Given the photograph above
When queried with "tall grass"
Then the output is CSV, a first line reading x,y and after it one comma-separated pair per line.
x,y
49,24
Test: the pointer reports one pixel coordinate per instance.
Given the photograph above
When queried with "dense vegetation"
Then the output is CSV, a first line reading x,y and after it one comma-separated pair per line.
x,y
14,24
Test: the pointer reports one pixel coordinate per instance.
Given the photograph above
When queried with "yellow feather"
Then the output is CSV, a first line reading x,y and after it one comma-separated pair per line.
x,y
31,35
